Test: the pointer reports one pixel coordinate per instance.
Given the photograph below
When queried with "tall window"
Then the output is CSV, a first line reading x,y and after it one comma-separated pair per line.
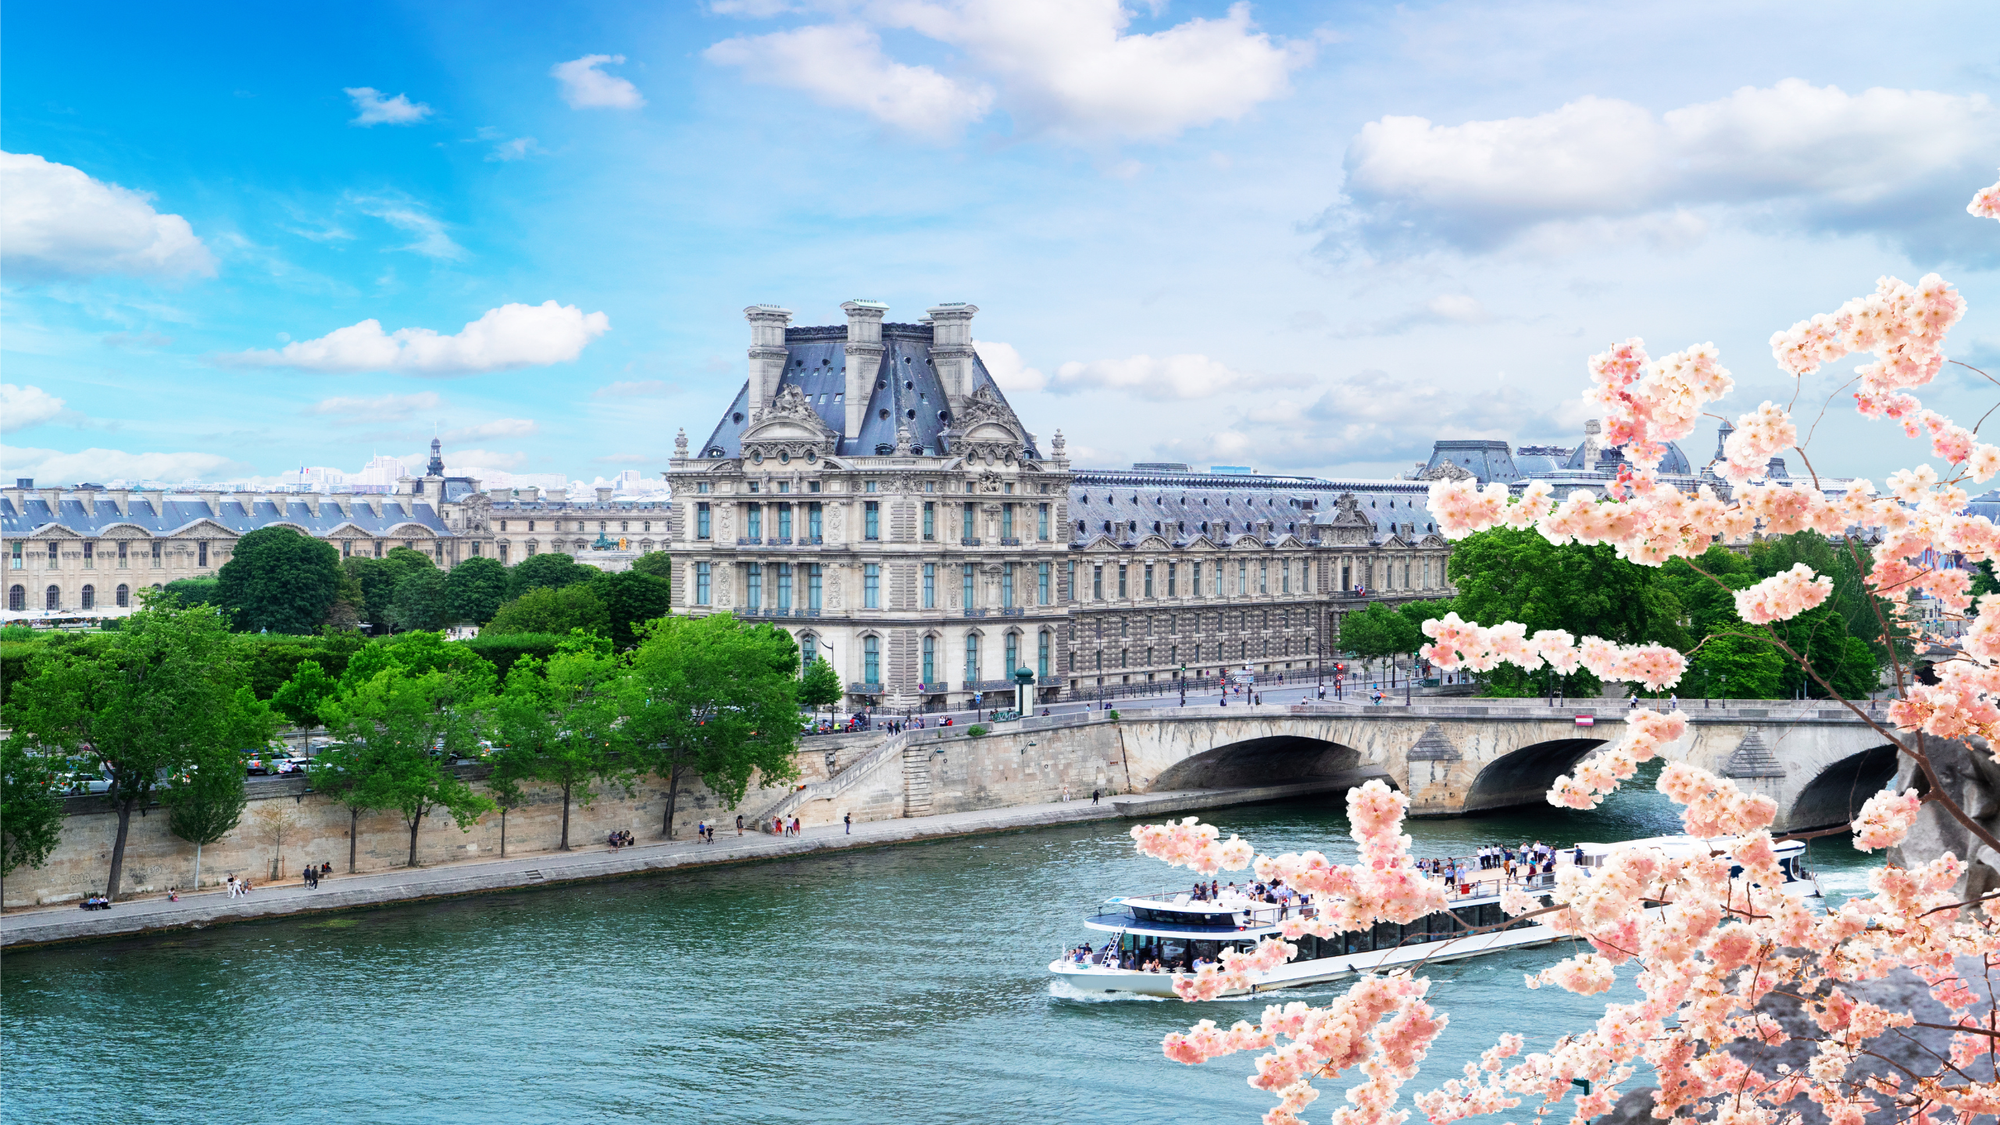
x,y
53,597
812,518
1173,570
971,656
1007,586
930,587
871,586
17,598
1006,521
930,519
54,555
967,602
871,519
812,586
871,660
1042,655
1097,582
1042,521
1263,576
1218,580
784,521
1013,653
90,597
1242,577
701,578
1285,577
784,585
1041,584
124,596
808,651
201,549
122,545
930,660
754,597
1149,580
1121,580
15,559
753,521
90,556
969,522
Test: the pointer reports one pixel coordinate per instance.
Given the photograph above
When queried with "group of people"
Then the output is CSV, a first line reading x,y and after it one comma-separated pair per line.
x,y
310,876
1522,862
621,839
95,901
780,826
1141,959
238,886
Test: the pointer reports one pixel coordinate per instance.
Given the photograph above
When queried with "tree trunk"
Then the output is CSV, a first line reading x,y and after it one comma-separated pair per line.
x,y
503,831
673,793
416,822
353,823
565,828
118,847
197,867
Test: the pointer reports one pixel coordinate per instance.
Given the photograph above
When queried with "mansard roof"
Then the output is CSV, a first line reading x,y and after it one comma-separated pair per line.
x,y
1223,507
87,516
905,391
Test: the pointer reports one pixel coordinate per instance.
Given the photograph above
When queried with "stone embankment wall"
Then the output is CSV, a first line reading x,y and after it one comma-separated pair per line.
x,y
156,860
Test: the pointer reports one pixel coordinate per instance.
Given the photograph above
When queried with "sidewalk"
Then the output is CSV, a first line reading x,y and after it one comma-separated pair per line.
x,y
485,876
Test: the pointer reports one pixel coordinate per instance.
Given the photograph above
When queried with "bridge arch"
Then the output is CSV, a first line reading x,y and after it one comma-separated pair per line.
x,y
1523,776
1836,795
1271,760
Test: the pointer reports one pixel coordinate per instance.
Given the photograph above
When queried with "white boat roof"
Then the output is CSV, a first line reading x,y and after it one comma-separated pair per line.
x,y
1679,846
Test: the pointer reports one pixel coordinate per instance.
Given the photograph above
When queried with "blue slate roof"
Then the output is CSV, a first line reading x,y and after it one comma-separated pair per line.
x,y
239,514
906,391
1487,460
1184,507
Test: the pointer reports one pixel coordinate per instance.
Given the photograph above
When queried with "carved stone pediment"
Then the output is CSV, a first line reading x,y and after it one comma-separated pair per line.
x,y
1444,470
1350,526
788,429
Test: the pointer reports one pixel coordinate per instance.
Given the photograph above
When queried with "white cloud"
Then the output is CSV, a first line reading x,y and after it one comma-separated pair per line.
x,y
842,65
1065,66
408,215
1841,159
372,109
50,466
21,407
637,388
470,462
510,336
1445,308
584,86
1007,367
498,428
379,408
56,221
519,148
1164,377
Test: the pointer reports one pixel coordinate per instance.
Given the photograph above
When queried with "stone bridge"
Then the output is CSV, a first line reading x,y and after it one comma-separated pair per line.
x,y
1818,762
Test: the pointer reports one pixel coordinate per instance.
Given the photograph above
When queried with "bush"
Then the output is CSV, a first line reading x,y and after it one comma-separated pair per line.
x,y
1114,716
503,649
975,732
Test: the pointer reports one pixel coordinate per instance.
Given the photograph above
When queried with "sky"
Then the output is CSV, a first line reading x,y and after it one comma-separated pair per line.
x,y
1307,238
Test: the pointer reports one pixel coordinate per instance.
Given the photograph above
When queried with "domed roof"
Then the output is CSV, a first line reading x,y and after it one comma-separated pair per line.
x,y
1675,463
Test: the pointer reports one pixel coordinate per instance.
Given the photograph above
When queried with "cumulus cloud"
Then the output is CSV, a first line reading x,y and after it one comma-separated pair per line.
x,y
56,221
1163,377
636,388
411,216
1007,367
49,466
1445,308
584,86
371,108
1829,159
842,65
507,337
498,428
1062,66
377,408
21,407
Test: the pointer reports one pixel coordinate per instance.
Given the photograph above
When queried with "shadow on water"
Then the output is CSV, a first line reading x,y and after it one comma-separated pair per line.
x,y
898,984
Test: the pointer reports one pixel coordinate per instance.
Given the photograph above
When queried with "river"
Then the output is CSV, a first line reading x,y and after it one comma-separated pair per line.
x,y
901,984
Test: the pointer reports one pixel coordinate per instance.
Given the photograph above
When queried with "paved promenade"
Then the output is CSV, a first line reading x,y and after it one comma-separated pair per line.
x,y
596,861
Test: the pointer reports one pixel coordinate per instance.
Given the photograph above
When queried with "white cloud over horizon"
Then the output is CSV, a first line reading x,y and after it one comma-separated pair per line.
x,y
1009,370
586,86
510,336
52,467
498,428
58,222
24,406
1164,377
372,108
379,408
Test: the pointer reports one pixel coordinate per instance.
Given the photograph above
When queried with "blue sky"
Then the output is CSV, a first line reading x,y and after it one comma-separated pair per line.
x,y
1299,237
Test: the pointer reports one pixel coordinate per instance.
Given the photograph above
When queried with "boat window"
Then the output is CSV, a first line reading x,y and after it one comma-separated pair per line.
x,y
1388,935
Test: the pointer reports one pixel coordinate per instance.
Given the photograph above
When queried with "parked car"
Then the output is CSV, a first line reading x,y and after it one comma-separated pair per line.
x,y
79,784
297,763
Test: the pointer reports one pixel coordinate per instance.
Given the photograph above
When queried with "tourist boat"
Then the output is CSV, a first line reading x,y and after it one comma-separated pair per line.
x,y
1175,928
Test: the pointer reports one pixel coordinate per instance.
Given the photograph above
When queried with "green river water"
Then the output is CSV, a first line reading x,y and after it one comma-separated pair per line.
x,y
899,984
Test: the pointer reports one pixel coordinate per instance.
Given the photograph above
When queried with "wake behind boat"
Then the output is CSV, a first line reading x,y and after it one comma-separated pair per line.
x,y
1157,935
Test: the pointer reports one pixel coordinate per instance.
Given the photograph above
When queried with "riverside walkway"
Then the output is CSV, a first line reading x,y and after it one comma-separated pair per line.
x,y
156,913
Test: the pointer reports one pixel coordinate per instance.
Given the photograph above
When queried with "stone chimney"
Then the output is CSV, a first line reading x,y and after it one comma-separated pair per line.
x,y
951,349
213,501
1593,443
604,496
767,354
121,499
863,356
534,493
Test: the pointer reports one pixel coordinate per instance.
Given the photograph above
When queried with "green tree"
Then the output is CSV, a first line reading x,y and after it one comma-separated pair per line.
x,y
1379,631
375,579
419,602
820,686
168,691
562,724
196,591
716,699
659,564
631,599
552,609
1736,665
397,735
31,810
552,570
420,652
279,581
407,561
205,801
473,591
302,696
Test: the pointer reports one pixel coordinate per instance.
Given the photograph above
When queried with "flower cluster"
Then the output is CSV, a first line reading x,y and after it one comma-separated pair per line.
x,y
1760,435
1986,202
1783,596
1456,643
1647,732
1903,325
1885,819
1191,843
1646,404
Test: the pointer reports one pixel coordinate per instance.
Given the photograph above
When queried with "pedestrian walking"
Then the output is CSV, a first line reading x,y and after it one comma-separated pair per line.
x,y
1094,795
848,820
739,824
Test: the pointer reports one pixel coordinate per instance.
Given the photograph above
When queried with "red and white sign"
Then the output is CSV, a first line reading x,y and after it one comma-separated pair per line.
x,y
1586,720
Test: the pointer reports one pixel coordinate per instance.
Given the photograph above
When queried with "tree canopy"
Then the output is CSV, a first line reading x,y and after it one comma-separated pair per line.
x,y
631,599
552,609
278,580
419,600
31,811
659,564
551,569
473,591
563,723
396,735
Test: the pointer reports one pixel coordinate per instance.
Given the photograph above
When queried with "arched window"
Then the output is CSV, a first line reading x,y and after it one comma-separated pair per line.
x,y
1042,655
971,658
17,598
1013,653
930,660
53,598
90,597
808,649
124,596
871,660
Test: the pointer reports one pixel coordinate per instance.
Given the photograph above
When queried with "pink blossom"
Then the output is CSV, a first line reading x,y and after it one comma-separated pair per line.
x,y
1986,202
1783,596
1885,819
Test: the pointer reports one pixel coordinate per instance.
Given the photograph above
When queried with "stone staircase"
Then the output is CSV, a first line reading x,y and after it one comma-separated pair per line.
x,y
916,781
